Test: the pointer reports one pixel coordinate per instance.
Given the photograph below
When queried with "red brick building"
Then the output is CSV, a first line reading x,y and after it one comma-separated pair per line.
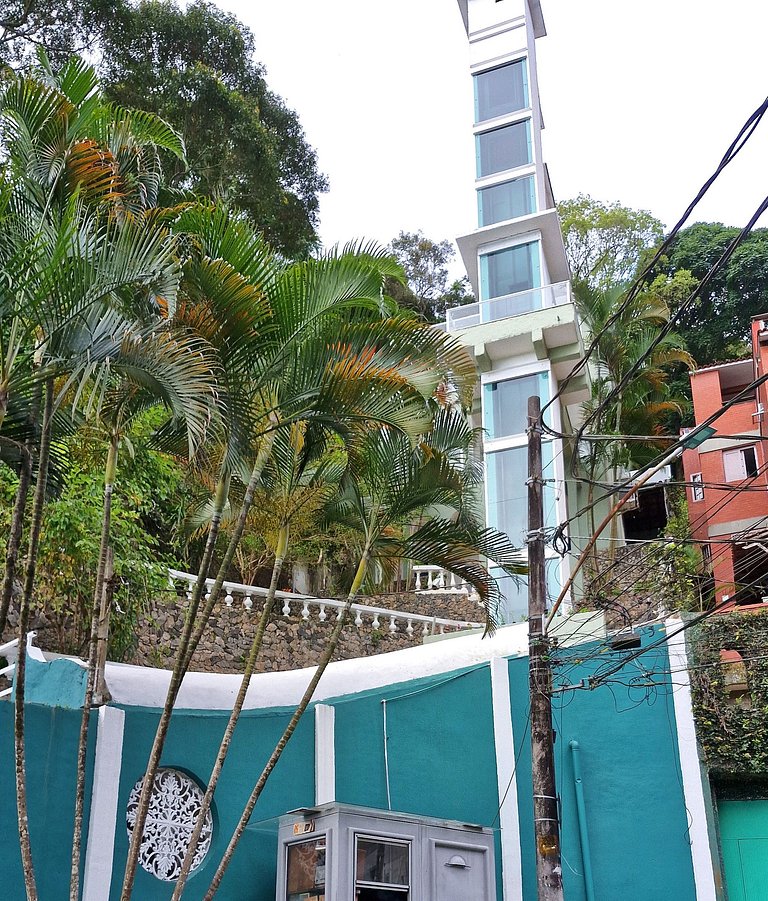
x,y
727,475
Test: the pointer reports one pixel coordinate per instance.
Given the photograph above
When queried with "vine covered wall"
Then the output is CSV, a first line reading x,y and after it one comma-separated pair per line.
x,y
733,730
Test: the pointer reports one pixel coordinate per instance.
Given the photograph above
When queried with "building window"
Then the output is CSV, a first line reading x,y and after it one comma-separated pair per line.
x,y
503,148
697,488
306,871
501,91
507,493
740,464
382,870
505,403
513,274
507,200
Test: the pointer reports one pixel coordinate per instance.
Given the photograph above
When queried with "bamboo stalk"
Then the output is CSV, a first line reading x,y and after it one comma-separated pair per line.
x,y
290,728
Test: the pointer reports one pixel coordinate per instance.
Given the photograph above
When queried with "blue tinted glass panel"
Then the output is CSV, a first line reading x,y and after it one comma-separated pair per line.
x,y
503,148
501,91
513,607
507,493
505,404
508,200
514,270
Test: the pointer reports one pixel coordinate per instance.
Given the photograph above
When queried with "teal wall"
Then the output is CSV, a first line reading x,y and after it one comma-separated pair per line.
x,y
441,764
51,739
193,740
636,817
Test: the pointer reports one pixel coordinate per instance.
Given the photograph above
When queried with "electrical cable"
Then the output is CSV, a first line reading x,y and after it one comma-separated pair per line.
x,y
743,136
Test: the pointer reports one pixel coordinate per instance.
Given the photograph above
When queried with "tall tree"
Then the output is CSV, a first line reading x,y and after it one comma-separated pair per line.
x,y
604,241
195,67
426,263
717,323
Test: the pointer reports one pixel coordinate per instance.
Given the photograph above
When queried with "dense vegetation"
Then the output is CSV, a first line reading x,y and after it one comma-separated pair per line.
x,y
165,373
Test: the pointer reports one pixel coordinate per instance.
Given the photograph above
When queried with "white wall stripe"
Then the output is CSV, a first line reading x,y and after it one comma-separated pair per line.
x,y
504,741
103,820
703,869
325,754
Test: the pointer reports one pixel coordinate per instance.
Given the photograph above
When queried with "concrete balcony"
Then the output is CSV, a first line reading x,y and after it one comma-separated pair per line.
x,y
518,304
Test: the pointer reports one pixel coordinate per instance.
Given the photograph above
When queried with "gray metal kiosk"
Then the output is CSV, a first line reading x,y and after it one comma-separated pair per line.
x,y
342,853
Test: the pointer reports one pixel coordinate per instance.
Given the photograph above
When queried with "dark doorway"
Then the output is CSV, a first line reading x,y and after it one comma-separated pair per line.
x,y
649,520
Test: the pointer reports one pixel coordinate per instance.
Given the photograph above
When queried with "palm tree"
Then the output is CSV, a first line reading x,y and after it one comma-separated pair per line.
x,y
302,476
317,342
626,336
389,485
74,236
151,368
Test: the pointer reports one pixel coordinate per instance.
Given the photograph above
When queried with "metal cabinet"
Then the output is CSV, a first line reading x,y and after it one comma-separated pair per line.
x,y
344,853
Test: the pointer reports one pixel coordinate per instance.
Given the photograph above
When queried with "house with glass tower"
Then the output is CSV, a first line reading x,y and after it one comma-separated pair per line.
x,y
523,329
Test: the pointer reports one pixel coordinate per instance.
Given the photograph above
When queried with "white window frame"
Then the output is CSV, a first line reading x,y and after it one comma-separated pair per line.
x,y
733,472
489,66
407,891
697,488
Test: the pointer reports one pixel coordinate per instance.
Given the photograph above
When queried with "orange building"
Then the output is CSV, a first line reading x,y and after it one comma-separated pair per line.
x,y
727,475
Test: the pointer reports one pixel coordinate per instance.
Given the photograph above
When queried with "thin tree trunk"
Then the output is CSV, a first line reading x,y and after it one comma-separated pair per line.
x,y
184,653
101,693
21,661
14,537
290,728
226,740
110,473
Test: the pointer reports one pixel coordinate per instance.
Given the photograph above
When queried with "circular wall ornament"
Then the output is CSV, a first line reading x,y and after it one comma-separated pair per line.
x,y
173,809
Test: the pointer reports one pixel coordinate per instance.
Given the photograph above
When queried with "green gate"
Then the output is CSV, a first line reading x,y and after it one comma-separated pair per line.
x,y
744,840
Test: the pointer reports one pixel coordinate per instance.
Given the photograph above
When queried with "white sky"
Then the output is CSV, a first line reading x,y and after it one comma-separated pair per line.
x,y
640,101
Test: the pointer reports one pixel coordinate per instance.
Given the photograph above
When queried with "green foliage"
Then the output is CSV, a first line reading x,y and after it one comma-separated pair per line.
x,y
717,324
604,241
69,549
195,67
426,269
734,737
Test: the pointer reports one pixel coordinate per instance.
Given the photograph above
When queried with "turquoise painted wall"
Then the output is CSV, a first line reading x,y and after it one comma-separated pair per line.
x,y
193,740
51,738
440,747
636,817
441,763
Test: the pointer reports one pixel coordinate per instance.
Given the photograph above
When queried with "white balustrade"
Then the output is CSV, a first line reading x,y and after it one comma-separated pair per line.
x,y
438,580
431,576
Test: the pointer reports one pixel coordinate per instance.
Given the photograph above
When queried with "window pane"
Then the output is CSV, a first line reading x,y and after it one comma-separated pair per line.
x,y
503,148
513,607
306,871
385,863
508,200
501,91
511,271
505,404
506,474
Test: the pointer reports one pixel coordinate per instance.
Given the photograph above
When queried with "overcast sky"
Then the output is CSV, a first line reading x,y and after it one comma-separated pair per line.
x,y
640,100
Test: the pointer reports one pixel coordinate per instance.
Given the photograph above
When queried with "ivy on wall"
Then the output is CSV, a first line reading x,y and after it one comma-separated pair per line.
x,y
734,737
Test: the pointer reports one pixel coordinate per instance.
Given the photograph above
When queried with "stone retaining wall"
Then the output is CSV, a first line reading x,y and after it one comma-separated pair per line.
x,y
290,642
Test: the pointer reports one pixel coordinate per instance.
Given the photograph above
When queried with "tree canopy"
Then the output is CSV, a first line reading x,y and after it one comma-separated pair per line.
x,y
717,324
425,263
604,241
195,66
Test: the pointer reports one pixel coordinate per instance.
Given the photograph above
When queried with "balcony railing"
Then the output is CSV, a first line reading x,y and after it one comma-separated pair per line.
x,y
509,305
308,605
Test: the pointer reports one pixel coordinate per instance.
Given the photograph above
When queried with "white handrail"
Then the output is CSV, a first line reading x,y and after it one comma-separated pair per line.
x,y
229,589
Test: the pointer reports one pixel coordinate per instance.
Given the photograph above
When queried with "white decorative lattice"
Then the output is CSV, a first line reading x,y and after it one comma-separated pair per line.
x,y
173,809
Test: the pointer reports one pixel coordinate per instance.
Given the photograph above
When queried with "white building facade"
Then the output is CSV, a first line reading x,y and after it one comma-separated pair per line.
x,y
523,329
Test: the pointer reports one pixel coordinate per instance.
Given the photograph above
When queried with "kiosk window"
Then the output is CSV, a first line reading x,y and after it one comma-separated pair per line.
x,y
383,870
306,871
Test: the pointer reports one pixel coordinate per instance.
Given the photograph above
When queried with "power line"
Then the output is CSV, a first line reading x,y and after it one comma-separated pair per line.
x,y
744,134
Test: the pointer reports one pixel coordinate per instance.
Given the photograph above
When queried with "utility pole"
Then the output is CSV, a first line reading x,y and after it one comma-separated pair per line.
x,y
546,826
